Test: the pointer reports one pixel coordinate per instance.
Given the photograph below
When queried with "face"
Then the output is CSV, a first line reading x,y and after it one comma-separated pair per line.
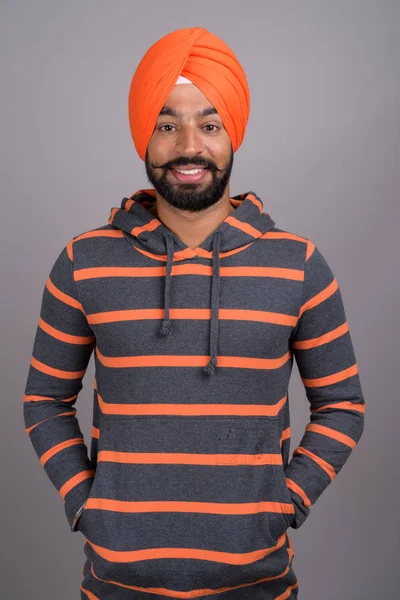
x,y
189,135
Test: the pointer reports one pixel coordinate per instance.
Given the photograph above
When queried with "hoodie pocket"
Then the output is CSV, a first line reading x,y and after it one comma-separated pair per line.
x,y
183,502
81,525
288,507
255,444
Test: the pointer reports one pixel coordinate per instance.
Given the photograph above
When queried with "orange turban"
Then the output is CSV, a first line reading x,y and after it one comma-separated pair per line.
x,y
208,62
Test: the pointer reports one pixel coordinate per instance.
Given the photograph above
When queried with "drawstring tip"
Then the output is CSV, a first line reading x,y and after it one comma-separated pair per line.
x,y
209,369
165,327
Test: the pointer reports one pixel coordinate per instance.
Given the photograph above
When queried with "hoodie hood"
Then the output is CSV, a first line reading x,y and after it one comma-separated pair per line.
x,y
151,237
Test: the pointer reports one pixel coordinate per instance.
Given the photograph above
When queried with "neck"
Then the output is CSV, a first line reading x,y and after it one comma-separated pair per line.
x,y
193,227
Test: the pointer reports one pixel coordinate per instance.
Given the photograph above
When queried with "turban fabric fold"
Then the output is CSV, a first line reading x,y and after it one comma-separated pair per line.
x,y
206,61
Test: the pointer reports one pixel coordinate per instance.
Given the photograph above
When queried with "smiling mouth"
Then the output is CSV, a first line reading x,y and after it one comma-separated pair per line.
x,y
189,175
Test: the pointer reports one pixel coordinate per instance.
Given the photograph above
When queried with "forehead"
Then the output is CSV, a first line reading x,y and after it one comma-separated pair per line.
x,y
186,98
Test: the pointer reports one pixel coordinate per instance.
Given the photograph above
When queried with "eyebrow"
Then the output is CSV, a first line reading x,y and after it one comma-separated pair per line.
x,y
171,112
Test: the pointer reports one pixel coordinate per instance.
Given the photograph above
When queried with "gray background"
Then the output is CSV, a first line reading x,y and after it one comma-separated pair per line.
x,y
321,149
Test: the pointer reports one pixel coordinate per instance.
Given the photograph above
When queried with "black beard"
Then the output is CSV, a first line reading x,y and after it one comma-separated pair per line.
x,y
190,196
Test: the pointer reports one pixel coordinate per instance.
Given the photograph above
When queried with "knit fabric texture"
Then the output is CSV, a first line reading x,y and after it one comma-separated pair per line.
x,y
190,489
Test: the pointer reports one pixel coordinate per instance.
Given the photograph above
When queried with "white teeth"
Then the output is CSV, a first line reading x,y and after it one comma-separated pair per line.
x,y
192,172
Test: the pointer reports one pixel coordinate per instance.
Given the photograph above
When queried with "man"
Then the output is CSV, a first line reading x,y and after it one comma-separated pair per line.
x,y
195,305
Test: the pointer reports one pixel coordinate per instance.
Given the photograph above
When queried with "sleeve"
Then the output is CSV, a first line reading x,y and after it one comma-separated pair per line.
x,y
324,353
62,348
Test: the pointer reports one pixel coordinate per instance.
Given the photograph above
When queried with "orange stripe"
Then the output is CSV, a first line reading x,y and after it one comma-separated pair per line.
x,y
161,257
175,594
185,458
332,433
245,227
65,337
285,434
310,249
64,414
37,398
95,432
192,409
113,212
320,297
359,407
128,204
330,379
230,558
58,447
200,252
185,253
190,253
89,594
296,488
70,250
180,255
261,316
113,233
43,368
74,481
320,461
282,235
151,226
61,296
172,360
256,202
287,593
211,508
323,339
187,269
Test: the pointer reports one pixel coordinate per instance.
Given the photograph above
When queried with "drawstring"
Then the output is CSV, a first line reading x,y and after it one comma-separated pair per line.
x,y
166,324
209,369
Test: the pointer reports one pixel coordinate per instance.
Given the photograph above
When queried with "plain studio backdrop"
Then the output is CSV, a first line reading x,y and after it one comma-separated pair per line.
x,y
322,151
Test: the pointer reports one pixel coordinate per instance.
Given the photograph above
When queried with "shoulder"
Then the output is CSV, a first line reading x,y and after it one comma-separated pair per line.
x,y
293,243
92,240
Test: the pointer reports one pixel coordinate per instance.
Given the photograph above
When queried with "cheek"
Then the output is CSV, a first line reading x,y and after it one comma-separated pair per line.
x,y
157,149
151,146
220,148
221,156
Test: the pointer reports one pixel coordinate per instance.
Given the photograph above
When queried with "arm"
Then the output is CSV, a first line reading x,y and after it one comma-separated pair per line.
x,y
62,348
322,346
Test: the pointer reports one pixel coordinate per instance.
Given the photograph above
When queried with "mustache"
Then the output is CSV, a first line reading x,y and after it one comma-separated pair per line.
x,y
187,161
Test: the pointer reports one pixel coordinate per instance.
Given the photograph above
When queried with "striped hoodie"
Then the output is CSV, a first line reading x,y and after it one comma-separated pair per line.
x,y
189,490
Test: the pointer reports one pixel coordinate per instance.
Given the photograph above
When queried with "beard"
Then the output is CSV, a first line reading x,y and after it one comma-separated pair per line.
x,y
190,196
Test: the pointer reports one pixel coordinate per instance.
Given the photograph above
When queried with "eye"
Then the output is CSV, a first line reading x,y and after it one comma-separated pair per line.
x,y
161,127
212,125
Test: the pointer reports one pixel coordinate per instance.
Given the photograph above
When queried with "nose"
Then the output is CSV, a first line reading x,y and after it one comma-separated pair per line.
x,y
189,141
